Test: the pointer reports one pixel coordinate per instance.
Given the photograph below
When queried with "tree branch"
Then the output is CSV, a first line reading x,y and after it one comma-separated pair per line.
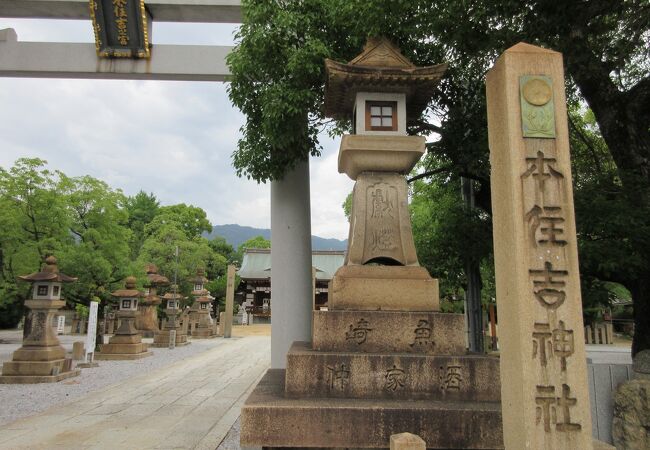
x,y
430,173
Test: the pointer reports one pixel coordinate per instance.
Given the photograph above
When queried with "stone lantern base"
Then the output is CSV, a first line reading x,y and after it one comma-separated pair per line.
x,y
126,344
31,372
41,359
161,339
203,333
123,347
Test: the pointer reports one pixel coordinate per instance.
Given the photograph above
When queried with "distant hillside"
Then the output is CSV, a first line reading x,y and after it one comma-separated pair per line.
x,y
236,234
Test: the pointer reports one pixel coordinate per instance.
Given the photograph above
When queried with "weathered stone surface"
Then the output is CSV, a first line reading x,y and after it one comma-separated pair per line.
x,y
33,353
641,364
407,441
121,356
78,351
367,153
162,339
33,368
389,331
600,445
631,423
271,420
122,348
203,333
391,376
34,379
386,288
380,222
147,321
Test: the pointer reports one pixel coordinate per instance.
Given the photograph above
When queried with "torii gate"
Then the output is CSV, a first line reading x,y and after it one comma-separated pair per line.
x,y
290,197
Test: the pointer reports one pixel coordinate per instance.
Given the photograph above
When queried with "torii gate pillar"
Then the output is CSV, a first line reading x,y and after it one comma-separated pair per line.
x,y
291,284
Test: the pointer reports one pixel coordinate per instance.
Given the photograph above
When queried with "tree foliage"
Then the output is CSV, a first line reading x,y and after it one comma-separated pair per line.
x,y
97,233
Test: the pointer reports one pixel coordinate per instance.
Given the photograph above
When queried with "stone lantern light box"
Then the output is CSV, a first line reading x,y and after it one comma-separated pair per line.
x,y
380,90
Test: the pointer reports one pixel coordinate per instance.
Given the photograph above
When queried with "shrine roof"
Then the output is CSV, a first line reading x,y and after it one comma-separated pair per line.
x,y
381,67
256,264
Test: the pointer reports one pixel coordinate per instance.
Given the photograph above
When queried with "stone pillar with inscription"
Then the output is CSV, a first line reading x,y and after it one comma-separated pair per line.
x,y
544,394
382,360
41,359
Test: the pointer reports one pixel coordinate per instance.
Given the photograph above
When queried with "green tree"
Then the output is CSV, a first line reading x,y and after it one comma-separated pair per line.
x,y
192,220
254,242
142,208
219,245
278,83
33,224
100,254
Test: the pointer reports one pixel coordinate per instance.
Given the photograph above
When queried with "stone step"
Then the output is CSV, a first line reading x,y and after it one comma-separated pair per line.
x,y
429,333
269,419
398,376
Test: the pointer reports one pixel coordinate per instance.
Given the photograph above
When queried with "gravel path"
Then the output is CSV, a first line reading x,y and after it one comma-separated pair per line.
x,y
24,400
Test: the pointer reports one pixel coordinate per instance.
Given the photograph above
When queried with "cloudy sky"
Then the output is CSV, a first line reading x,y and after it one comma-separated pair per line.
x,y
170,138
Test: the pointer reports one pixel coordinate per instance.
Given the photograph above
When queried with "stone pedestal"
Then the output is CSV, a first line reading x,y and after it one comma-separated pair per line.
x,y
161,339
147,320
41,359
370,374
126,343
204,329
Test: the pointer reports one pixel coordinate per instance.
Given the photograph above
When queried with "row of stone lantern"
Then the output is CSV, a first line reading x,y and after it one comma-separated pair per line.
x,y
41,359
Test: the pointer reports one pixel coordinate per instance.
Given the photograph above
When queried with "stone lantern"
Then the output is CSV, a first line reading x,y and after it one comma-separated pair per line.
x,y
127,341
381,91
382,360
147,320
173,303
201,308
41,359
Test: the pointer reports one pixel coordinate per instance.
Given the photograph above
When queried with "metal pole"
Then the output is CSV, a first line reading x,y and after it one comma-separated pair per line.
x,y
473,309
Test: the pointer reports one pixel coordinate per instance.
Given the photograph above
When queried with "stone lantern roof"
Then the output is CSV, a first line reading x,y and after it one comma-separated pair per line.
x,y
129,291
49,272
153,278
173,296
381,67
200,277
205,299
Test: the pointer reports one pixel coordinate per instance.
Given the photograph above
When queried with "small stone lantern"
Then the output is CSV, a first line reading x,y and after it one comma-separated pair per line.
x,y
147,320
201,308
172,302
41,359
381,91
127,341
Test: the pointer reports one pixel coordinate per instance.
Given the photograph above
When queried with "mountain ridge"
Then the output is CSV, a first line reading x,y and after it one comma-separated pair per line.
x,y
236,234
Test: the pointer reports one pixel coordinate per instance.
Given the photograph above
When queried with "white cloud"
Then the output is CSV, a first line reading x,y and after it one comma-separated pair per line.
x,y
174,139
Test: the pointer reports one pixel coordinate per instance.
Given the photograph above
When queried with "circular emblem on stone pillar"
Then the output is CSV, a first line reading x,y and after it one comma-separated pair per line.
x,y
537,92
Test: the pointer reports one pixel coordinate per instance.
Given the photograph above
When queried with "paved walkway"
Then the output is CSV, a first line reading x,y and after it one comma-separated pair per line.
x,y
189,405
